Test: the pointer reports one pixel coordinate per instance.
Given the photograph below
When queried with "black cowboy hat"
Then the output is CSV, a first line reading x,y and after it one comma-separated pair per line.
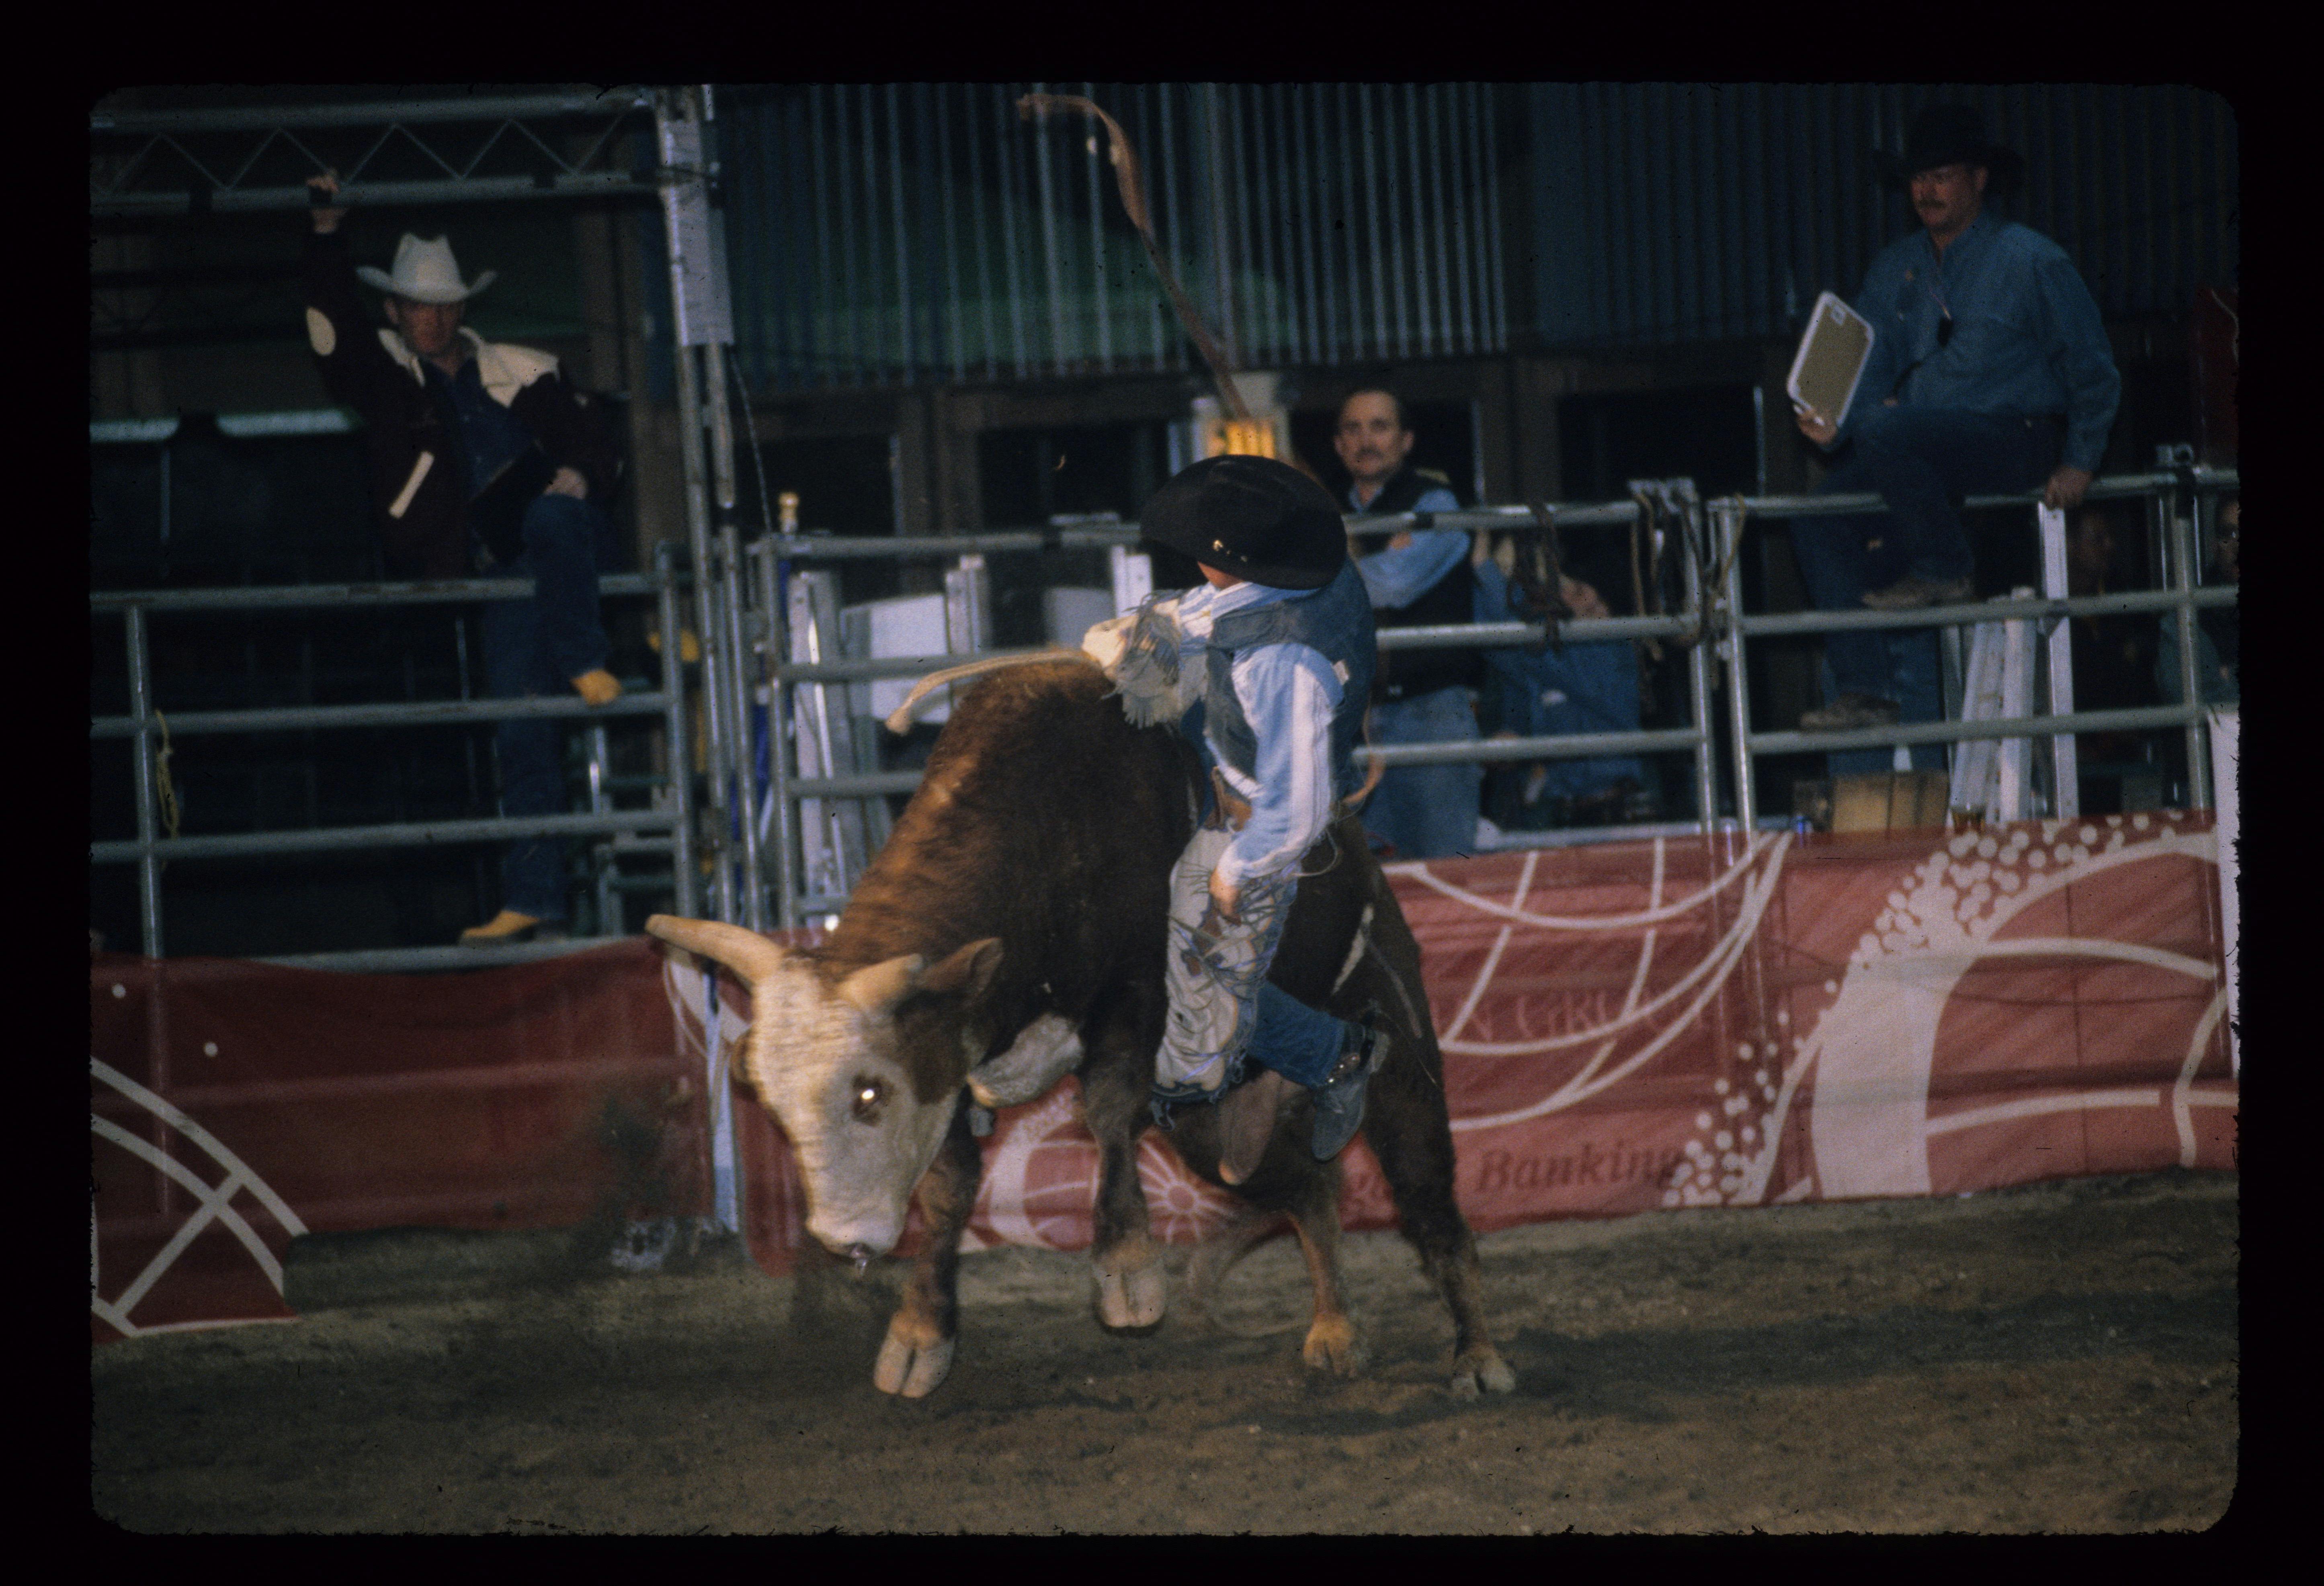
x,y
1253,517
1950,135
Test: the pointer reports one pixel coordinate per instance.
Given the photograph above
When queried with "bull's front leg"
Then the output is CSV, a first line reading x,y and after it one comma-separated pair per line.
x,y
917,1352
1126,1268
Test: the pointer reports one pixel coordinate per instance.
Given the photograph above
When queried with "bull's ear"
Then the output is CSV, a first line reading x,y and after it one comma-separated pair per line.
x,y
968,971
880,987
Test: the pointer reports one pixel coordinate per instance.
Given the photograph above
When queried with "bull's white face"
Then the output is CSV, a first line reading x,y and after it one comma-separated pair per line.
x,y
829,1069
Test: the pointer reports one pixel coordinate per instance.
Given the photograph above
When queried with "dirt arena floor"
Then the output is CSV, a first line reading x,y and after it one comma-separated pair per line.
x,y
2060,1358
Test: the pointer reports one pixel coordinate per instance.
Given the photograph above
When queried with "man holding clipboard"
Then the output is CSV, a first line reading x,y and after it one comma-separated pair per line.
x,y
1987,371
484,459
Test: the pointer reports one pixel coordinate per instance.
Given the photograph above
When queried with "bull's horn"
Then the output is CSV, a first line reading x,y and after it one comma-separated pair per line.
x,y
880,986
746,953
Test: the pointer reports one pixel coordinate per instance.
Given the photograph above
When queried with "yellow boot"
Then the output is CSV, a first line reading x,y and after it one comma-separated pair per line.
x,y
598,687
507,925
690,648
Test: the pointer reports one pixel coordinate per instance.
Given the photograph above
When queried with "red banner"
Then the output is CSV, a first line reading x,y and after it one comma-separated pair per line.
x,y
1627,1027
235,1105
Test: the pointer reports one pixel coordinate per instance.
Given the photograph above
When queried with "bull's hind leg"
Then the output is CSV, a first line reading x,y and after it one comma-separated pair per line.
x,y
1333,1343
1126,1268
1409,1130
922,1334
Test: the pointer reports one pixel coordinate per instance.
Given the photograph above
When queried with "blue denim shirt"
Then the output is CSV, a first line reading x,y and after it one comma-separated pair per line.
x,y
1397,577
2026,339
1296,711
490,434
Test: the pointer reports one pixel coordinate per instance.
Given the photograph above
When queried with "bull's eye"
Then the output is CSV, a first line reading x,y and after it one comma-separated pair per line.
x,y
870,1098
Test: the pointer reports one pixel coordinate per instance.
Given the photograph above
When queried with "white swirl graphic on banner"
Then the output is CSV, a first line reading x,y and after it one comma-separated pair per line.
x,y
1040,1182
1704,980
1008,1167
213,1203
1875,1046
1654,914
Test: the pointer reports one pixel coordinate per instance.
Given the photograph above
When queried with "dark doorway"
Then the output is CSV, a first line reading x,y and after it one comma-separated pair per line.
x,y
1032,475
1608,438
846,483
1086,471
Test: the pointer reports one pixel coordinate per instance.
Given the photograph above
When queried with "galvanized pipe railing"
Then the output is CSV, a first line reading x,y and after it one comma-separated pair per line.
x,y
737,679
679,769
781,866
1712,617
780,812
1728,517
2181,600
151,852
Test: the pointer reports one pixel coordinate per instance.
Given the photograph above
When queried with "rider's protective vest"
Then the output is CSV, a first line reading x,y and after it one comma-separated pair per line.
x,y
1335,621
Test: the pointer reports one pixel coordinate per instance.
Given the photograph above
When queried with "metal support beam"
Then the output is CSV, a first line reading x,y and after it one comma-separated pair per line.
x,y
141,710
377,112
704,321
685,883
773,644
741,761
2065,769
375,195
1728,605
140,163
2185,548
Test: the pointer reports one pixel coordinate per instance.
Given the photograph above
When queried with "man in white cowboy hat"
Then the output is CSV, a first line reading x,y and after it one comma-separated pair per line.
x,y
484,458
1990,373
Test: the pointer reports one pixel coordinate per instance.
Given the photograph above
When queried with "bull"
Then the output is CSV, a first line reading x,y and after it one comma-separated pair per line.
x,y
1010,931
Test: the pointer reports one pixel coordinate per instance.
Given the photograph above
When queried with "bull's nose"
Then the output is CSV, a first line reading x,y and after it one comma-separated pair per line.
x,y
857,1240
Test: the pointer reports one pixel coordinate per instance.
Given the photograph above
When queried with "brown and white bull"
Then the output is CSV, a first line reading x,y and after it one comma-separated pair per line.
x,y
1010,932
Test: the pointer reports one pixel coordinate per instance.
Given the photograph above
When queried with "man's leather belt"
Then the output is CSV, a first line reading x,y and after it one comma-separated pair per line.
x,y
1230,811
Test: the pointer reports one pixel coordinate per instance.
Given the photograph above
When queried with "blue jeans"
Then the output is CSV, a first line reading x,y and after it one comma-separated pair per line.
x,y
536,648
1427,811
1920,461
1587,688
1300,1043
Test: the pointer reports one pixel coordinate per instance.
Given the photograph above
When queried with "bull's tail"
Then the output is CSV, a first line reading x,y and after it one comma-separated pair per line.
x,y
1218,1255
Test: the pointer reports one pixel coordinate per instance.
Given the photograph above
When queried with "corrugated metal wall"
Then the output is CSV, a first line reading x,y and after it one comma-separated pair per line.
x,y
905,232
913,232
1675,212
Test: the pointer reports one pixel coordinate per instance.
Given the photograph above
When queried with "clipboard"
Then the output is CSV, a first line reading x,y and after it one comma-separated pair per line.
x,y
1833,354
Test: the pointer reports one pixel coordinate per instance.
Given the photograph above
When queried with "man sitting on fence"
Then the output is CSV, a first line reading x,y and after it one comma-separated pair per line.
x,y
1990,373
484,459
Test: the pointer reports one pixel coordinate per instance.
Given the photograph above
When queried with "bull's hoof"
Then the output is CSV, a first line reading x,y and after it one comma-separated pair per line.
x,y
913,1371
1130,1299
1482,1367
1334,1345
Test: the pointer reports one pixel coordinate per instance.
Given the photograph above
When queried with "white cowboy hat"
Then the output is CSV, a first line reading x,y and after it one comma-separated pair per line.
x,y
426,273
